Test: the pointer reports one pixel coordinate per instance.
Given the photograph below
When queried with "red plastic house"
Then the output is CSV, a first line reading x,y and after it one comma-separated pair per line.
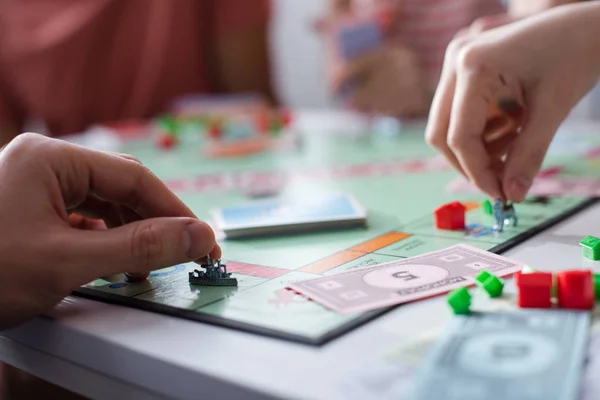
x,y
576,289
450,216
534,290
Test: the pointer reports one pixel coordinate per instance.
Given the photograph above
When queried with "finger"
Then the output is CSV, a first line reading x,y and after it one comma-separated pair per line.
x,y
474,93
139,247
526,156
488,22
126,156
96,208
118,180
438,123
77,221
500,146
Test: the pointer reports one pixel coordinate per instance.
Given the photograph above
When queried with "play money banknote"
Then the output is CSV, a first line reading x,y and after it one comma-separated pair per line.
x,y
409,279
517,355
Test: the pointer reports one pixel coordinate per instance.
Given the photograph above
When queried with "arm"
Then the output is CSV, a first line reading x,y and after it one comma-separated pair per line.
x,y
240,61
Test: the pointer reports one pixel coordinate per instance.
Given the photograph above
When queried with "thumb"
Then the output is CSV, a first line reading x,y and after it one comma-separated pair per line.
x,y
526,155
138,247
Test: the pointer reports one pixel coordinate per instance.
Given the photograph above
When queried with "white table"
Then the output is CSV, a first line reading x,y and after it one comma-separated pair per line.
x,y
110,352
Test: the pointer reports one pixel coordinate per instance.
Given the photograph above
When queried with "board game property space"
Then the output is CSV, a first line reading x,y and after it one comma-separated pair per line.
x,y
396,178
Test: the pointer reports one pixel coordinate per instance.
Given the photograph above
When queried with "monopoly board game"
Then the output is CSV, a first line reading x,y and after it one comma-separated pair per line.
x,y
397,178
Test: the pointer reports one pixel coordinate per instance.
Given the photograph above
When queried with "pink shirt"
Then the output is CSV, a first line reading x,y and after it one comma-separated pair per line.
x,y
71,63
428,26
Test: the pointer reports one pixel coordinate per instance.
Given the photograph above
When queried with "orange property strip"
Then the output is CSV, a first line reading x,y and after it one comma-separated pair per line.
x,y
330,262
380,242
342,257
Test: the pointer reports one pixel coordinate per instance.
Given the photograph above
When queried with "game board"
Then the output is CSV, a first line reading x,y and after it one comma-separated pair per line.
x,y
398,179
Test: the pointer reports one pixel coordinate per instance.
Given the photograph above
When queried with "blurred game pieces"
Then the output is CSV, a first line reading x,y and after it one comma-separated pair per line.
x,y
227,126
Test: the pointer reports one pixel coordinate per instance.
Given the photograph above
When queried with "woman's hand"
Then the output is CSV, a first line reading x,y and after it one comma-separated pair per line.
x,y
541,67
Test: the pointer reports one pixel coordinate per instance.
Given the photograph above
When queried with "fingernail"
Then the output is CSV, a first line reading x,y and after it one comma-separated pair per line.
x,y
195,239
518,188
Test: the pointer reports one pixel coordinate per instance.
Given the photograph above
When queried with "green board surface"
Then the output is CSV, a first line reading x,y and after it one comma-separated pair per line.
x,y
398,179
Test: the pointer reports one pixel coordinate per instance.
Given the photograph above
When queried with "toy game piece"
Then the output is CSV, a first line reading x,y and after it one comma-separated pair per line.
x,y
286,118
215,275
168,124
450,216
486,207
575,289
527,270
504,213
493,286
597,286
534,289
460,301
591,247
166,141
262,122
482,277
215,130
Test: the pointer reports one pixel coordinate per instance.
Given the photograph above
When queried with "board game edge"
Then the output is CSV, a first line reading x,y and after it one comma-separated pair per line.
x,y
329,336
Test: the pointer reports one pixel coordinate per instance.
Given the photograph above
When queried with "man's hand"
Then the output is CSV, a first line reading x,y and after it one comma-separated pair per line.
x,y
53,195
544,64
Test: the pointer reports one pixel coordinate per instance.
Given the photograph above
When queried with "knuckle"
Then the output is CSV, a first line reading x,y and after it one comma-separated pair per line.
x,y
26,144
146,248
143,176
480,25
470,58
455,142
456,45
434,140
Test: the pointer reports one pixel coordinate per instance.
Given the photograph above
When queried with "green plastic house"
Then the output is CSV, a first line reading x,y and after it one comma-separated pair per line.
x,y
486,207
591,247
459,300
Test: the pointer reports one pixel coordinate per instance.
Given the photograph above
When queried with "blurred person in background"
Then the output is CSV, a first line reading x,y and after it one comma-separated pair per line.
x,y
399,76
70,63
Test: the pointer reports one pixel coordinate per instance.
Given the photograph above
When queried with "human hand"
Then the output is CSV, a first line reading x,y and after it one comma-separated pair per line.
x,y
48,187
545,64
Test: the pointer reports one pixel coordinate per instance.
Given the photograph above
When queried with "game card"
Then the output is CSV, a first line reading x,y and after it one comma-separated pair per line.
x,y
291,215
409,279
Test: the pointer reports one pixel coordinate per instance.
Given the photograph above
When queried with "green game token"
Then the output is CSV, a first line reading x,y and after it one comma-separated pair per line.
x,y
168,124
493,286
597,286
591,247
459,300
486,207
482,277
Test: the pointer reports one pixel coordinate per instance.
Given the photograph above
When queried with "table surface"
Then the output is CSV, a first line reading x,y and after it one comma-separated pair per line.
x,y
106,352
